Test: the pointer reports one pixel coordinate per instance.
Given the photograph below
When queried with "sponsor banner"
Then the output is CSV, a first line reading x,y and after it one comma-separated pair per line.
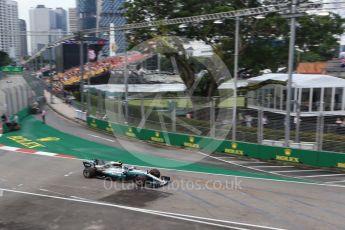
x,y
11,69
234,149
191,143
341,165
157,138
287,156
263,152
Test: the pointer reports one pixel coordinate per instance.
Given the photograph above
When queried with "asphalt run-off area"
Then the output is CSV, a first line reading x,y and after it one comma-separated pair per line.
x,y
42,186
191,115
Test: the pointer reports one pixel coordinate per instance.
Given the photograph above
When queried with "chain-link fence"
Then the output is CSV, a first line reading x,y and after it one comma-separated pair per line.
x,y
213,117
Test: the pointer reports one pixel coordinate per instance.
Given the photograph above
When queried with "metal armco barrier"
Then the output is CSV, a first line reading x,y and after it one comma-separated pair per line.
x,y
79,114
306,157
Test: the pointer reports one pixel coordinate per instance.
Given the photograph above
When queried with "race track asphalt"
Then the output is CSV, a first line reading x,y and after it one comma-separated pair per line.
x,y
40,192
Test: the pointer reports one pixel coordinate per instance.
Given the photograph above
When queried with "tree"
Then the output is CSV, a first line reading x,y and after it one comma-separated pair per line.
x,y
4,59
264,42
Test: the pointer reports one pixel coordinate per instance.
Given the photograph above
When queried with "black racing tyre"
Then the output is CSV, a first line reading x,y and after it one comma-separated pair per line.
x,y
89,173
140,181
155,172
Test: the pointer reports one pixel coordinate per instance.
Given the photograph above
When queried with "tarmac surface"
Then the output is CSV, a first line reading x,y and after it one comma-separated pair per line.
x,y
41,192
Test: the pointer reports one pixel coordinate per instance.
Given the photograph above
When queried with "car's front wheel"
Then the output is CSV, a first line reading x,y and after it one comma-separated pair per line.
x,y
89,172
140,181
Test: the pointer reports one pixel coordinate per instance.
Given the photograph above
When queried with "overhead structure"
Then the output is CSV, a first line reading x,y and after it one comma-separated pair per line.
x,y
279,8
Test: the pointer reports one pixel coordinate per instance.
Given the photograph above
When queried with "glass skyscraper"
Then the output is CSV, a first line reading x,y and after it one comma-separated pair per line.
x,y
97,14
87,11
112,12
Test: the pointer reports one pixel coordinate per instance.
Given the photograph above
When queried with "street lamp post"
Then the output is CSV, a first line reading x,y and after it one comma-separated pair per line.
x,y
234,109
81,59
126,85
290,71
51,71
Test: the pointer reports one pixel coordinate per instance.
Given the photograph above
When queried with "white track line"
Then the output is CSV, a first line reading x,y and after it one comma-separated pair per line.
x,y
237,161
106,139
273,166
332,182
226,157
234,163
328,175
305,170
178,216
254,162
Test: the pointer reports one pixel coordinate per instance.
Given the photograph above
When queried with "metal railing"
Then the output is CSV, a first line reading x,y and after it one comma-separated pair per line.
x,y
199,116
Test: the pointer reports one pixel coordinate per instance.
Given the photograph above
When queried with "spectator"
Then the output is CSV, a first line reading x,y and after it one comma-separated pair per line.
x,y
15,119
264,121
241,118
4,118
342,55
338,122
105,117
43,115
248,120
295,119
343,123
342,63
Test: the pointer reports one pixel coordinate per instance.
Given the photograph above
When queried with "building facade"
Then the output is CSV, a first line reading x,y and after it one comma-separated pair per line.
x,y
112,13
72,20
61,19
3,26
87,11
23,38
9,28
98,14
47,25
42,20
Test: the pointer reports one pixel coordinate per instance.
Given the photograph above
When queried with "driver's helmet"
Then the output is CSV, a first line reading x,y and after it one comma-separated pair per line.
x,y
116,164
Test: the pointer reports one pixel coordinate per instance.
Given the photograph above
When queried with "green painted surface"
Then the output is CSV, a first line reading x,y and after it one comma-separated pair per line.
x,y
37,136
296,156
11,69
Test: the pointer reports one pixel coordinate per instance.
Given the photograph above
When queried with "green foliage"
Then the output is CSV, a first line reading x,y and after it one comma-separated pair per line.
x,y
264,42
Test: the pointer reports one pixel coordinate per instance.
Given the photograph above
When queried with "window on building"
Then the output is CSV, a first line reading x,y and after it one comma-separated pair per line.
x,y
338,99
305,100
327,98
316,99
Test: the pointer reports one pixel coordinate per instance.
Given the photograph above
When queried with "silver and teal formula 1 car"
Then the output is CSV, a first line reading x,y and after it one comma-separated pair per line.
x,y
118,171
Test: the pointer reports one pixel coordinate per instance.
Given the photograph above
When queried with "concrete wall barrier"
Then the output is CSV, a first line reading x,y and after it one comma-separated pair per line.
x,y
263,152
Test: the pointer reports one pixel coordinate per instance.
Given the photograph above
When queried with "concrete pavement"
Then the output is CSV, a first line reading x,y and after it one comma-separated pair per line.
x,y
59,106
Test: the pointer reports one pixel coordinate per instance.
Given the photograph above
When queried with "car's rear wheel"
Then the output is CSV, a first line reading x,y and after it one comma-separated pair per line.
x,y
155,172
140,181
89,172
